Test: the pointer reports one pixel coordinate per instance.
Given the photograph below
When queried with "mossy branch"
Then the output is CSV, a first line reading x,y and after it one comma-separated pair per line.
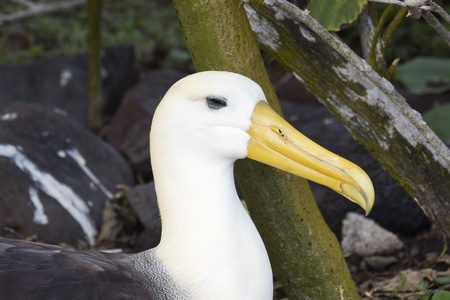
x,y
367,104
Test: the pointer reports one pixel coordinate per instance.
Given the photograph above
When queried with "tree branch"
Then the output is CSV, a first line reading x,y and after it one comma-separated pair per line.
x,y
27,3
36,9
434,22
439,10
367,104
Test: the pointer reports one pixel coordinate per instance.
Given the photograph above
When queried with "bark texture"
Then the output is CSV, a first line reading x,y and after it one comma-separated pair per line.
x,y
304,253
367,104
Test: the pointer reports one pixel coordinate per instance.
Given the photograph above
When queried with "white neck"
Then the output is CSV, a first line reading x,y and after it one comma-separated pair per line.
x,y
209,242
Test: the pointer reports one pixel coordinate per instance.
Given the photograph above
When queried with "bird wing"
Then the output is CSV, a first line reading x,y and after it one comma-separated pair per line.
x,y
37,271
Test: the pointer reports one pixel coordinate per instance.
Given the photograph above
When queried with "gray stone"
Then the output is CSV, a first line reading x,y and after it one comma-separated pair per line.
x,y
364,237
54,175
143,199
380,262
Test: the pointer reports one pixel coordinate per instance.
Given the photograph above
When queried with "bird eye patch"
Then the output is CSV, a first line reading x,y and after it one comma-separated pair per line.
x,y
216,102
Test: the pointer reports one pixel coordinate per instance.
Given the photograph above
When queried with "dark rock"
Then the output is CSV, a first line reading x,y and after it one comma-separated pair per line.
x,y
147,239
62,82
143,200
415,251
54,175
119,75
394,209
130,127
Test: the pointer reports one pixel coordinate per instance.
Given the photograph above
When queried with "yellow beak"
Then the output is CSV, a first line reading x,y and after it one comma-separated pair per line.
x,y
276,143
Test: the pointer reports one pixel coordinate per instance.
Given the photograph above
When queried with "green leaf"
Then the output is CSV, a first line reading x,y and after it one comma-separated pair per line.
x,y
425,75
438,119
441,295
425,296
331,14
442,280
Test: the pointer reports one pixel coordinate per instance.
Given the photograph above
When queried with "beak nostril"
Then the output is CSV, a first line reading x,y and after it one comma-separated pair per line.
x,y
280,132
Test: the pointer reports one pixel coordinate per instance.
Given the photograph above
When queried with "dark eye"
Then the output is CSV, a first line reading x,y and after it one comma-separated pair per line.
x,y
216,102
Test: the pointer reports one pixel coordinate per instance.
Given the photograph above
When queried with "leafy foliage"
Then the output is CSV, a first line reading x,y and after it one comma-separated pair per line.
x,y
441,295
150,26
425,75
332,14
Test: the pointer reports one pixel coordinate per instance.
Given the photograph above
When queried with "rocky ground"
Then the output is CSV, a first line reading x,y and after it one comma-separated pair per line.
x,y
415,272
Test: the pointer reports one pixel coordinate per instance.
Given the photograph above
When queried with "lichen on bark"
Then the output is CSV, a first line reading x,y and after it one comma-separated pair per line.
x,y
366,103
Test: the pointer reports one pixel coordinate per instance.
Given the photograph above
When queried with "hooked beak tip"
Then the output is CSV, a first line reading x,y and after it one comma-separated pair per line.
x,y
361,191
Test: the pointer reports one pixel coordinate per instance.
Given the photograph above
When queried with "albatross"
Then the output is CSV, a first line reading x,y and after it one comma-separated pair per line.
x,y
210,248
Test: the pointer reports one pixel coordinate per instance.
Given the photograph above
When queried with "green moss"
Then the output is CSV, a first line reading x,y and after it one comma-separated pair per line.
x,y
419,151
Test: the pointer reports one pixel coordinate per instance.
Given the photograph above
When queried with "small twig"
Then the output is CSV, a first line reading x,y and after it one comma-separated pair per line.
x,y
394,24
418,8
395,2
434,22
410,3
439,10
423,5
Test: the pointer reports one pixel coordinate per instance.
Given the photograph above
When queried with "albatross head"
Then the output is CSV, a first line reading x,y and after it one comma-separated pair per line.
x,y
225,116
